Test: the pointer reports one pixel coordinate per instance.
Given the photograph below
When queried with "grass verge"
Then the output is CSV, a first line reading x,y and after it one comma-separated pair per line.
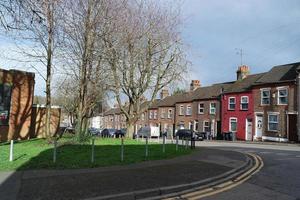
x,y
37,154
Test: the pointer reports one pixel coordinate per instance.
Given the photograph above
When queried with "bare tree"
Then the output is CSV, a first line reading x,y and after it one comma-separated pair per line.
x,y
83,23
145,54
35,24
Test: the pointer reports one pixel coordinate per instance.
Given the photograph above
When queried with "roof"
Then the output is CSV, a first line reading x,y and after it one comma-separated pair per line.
x,y
280,73
244,84
211,92
113,111
170,101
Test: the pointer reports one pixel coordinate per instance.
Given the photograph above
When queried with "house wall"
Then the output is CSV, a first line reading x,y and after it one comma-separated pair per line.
x,y
206,116
184,119
238,113
167,122
275,108
152,121
22,92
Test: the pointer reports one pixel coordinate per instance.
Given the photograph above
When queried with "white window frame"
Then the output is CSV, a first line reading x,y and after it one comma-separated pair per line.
x,y
181,110
278,95
170,113
231,103
261,96
204,126
150,114
143,117
199,108
236,121
274,122
241,103
162,114
188,110
210,108
155,114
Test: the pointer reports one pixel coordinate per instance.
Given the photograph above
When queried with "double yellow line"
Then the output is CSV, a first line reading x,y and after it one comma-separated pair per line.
x,y
226,185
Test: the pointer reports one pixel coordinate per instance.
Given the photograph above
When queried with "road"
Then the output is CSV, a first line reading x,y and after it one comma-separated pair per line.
x,y
278,179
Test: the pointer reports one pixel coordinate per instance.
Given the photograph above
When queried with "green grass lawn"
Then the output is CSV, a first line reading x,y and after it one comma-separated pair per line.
x,y
37,154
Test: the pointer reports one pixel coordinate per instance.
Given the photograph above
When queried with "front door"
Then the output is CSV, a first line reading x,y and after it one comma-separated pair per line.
x,y
259,126
248,129
292,128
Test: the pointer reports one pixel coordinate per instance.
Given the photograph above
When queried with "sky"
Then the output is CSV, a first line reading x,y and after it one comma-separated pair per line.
x,y
268,32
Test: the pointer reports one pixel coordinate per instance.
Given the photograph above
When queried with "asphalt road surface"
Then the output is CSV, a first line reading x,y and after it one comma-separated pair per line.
x,y
278,179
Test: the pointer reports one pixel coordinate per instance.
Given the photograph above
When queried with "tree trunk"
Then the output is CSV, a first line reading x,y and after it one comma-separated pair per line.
x,y
49,66
130,129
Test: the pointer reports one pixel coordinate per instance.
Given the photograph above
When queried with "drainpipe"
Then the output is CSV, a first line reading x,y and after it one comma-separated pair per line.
x,y
298,104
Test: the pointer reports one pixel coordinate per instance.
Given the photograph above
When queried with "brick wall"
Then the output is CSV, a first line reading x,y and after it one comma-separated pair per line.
x,y
274,107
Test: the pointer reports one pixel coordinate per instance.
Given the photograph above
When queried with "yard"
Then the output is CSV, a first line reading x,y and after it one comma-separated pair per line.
x,y
37,154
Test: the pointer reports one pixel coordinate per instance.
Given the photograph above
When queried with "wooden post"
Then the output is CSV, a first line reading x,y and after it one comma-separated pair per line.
x,y
11,151
122,149
54,150
164,143
146,148
186,143
177,138
93,150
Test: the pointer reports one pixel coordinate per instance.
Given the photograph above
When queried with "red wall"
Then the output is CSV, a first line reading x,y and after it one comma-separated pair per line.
x,y
241,115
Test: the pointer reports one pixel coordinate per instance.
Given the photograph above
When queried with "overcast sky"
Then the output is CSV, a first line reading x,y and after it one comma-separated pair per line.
x,y
268,31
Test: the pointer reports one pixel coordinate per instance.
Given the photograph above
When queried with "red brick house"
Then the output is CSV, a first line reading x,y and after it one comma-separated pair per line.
x,y
275,104
238,105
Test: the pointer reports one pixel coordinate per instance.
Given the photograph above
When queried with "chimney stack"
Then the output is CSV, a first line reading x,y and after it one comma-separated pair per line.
x,y
164,93
194,85
242,72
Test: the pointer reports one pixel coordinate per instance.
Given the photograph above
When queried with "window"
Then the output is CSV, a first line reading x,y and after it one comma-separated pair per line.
x,y
162,114
265,96
244,103
188,110
232,124
212,108
5,97
272,122
282,96
196,125
143,117
155,114
150,114
181,110
201,108
206,126
169,113
231,103
191,125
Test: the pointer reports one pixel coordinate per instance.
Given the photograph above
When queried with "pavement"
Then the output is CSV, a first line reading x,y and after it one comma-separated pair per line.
x,y
203,164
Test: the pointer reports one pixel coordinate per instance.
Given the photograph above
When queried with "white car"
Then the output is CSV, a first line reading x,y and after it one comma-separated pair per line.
x,y
148,131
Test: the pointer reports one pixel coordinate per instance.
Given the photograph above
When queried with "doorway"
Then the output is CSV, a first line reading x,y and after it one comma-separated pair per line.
x,y
292,127
248,130
258,126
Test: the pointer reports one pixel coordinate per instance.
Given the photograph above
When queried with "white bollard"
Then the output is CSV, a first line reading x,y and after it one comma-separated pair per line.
x,y
164,143
177,138
146,148
93,150
122,149
11,151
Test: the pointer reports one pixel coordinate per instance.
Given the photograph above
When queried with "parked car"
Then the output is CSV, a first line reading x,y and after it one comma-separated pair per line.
x,y
120,133
94,131
108,132
187,133
148,131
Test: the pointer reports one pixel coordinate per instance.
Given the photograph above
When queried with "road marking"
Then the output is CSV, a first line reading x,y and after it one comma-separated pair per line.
x,y
226,185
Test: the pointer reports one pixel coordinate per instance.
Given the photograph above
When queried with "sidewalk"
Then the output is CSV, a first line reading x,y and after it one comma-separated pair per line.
x,y
204,163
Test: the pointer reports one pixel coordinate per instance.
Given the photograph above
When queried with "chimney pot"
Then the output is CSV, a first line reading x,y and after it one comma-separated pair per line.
x,y
194,85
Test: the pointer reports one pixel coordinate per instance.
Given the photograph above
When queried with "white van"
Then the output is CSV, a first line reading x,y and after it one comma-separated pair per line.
x,y
148,131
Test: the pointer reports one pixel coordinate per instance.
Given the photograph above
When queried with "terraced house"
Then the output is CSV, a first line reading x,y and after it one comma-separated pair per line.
x,y
254,107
